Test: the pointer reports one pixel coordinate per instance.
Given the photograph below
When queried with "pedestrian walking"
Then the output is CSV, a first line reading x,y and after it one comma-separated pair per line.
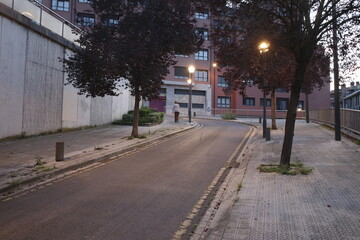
x,y
176,111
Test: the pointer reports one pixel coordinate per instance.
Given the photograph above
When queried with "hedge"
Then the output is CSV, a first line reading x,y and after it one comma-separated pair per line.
x,y
147,116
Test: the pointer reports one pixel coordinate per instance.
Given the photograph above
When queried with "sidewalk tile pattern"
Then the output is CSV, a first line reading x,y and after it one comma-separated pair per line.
x,y
322,205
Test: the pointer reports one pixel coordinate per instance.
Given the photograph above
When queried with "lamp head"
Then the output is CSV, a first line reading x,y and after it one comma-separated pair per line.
x,y
264,46
189,81
191,69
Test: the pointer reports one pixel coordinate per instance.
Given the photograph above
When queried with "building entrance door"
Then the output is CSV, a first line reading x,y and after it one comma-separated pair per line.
x,y
158,104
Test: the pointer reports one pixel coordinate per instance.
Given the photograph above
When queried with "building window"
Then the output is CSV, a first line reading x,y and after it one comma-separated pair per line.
x,y
60,5
181,91
250,82
162,90
183,105
202,55
197,105
300,105
85,1
112,22
186,92
202,14
223,102
198,93
201,75
181,72
228,40
181,55
268,102
249,101
203,33
194,105
282,90
282,103
85,19
222,82
218,24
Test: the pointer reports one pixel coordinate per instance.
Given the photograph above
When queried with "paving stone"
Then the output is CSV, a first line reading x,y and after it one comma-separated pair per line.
x,y
322,205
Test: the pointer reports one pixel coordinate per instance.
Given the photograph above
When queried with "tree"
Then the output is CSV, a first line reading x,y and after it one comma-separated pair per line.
x,y
133,40
297,26
269,71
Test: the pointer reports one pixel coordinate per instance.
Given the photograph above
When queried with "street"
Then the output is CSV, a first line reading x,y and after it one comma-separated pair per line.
x,y
145,195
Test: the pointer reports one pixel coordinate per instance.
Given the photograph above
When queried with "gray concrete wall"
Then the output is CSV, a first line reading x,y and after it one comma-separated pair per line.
x,y
31,79
44,82
33,98
12,76
79,110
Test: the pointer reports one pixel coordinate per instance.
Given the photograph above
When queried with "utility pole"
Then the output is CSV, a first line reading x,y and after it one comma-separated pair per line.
x,y
336,76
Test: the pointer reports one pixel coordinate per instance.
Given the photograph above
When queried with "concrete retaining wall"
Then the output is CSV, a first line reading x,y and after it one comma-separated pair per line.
x,y
33,98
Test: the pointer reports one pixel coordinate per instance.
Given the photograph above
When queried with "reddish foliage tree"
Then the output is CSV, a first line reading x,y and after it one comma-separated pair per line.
x,y
297,26
270,70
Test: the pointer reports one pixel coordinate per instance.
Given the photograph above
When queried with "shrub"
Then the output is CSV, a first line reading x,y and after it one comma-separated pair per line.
x,y
147,116
228,116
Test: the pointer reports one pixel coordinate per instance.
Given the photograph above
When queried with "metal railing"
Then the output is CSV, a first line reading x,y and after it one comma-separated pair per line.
x,y
255,112
242,113
45,17
349,119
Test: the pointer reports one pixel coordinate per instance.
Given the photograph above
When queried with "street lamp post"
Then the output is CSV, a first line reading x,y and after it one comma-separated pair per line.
x,y
214,66
264,47
190,83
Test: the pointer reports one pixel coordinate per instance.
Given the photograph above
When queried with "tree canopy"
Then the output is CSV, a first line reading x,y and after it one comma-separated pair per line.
x,y
133,40
295,28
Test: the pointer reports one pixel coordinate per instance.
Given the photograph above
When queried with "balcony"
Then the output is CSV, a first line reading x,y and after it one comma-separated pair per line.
x,y
45,17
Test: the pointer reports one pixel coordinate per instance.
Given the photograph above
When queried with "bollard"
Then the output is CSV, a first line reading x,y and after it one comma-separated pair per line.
x,y
268,138
59,151
259,119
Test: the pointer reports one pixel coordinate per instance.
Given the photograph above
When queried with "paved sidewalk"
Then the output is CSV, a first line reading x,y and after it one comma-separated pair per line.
x,y
322,205
18,157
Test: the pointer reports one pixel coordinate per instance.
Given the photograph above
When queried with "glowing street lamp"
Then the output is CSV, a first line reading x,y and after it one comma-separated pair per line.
x,y
191,69
190,81
214,65
263,48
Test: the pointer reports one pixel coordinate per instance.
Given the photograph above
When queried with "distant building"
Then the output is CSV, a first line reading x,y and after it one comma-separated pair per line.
x,y
349,96
208,94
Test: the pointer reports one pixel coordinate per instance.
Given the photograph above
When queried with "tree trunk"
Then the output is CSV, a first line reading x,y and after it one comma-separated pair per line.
x,y
273,113
135,129
291,114
307,108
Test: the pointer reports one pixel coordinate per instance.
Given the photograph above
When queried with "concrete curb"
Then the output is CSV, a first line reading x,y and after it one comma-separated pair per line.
x,y
209,198
92,159
224,197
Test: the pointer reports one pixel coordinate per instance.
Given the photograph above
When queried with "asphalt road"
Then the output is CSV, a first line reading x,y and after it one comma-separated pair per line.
x,y
143,196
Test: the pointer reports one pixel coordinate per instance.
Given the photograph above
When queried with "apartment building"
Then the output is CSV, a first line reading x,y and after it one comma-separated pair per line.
x,y
208,96
349,97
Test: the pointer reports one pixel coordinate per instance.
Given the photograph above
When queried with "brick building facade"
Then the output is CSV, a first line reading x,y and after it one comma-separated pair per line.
x,y
208,95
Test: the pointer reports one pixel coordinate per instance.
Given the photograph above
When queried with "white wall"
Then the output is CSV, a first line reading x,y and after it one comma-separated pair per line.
x,y
12,76
44,80
33,97
79,110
